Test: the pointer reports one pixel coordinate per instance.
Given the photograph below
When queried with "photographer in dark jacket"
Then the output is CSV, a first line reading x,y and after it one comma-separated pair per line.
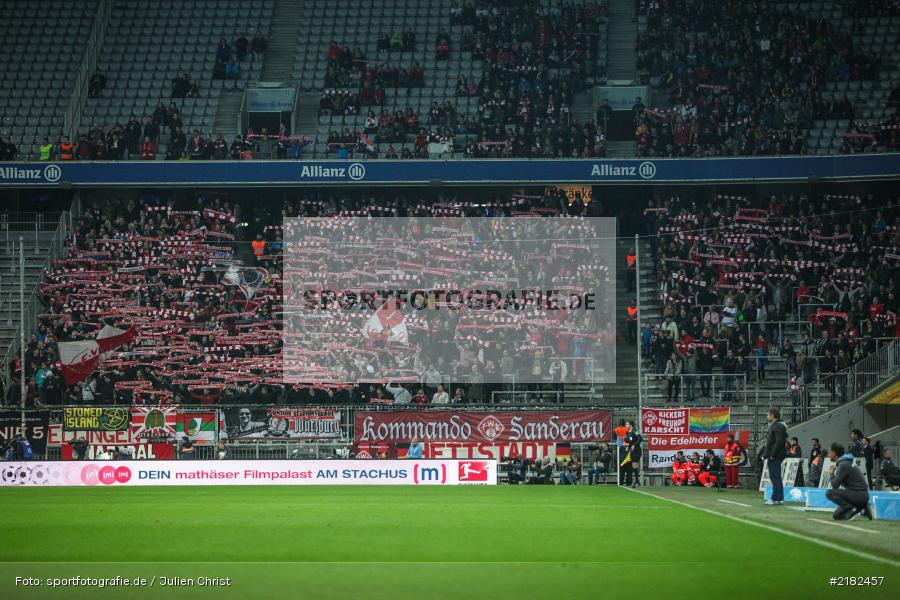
x,y
543,471
79,448
854,497
775,452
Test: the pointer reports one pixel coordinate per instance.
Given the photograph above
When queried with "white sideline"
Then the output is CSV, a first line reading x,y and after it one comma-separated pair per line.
x,y
799,536
845,525
733,502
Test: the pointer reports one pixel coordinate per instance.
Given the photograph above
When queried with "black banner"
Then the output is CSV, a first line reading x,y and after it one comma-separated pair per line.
x,y
36,428
283,422
96,418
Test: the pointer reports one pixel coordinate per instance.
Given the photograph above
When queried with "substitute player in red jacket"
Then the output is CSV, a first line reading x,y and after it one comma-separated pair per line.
x,y
712,466
679,469
694,466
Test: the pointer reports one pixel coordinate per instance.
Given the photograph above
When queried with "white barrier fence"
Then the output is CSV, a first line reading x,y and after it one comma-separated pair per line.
x,y
248,472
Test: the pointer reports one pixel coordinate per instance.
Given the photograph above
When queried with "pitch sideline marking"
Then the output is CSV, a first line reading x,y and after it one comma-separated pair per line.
x,y
799,536
844,525
733,502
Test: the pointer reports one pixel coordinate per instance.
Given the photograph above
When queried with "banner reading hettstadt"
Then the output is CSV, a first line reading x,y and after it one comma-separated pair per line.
x,y
249,472
512,426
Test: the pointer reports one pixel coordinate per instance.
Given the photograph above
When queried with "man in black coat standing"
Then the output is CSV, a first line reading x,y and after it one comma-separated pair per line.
x,y
775,453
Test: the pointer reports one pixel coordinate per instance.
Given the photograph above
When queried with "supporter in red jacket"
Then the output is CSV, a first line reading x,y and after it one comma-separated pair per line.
x,y
148,150
694,467
679,469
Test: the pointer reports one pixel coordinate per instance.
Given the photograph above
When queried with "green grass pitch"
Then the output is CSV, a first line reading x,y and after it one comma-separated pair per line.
x,y
508,542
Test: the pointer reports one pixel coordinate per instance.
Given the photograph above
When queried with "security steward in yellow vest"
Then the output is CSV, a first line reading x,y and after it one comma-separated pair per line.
x,y
46,150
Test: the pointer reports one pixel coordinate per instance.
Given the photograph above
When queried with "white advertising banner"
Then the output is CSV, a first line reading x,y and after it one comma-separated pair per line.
x,y
621,97
270,99
788,466
249,472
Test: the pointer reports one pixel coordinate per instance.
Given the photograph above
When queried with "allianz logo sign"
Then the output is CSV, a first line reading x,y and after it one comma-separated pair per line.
x,y
645,170
50,173
355,171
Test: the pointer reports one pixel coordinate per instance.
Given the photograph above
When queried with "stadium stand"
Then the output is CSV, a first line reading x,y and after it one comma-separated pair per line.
x,y
37,78
172,47
768,294
476,79
163,270
482,91
816,78
740,280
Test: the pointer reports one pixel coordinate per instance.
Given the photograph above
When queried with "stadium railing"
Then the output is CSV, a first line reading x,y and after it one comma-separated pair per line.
x,y
720,390
56,249
860,377
93,46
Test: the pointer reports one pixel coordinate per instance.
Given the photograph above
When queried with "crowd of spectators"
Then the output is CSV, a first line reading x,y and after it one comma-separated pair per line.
x,y
864,136
230,57
534,59
730,269
137,141
163,268
744,78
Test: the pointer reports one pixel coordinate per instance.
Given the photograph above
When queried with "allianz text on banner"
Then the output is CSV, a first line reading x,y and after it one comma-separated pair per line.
x,y
249,472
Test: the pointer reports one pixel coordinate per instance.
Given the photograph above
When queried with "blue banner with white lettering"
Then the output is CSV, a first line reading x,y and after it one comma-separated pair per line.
x,y
423,172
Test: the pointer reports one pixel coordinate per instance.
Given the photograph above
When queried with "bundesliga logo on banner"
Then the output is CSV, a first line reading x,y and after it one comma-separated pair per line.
x,y
473,471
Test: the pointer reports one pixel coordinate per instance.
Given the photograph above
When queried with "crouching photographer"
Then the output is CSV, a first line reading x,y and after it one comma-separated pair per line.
x,y
517,469
542,472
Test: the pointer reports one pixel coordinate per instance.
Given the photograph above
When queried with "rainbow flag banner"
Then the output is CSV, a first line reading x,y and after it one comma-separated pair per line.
x,y
710,420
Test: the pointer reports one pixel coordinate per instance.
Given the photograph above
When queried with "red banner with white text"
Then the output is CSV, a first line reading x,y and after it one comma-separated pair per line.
x,y
572,426
661,449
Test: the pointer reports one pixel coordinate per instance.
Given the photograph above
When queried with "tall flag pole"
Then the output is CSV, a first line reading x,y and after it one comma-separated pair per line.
x,y
640,309
22,325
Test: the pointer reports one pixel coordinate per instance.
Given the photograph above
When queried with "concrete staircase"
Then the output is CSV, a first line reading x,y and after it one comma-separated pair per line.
x,y
622,30
624,391
287,20
9,281
583,109
228,113
306,118
620,149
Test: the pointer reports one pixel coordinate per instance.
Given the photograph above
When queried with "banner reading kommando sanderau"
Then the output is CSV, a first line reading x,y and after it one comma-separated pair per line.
x,y
506,426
